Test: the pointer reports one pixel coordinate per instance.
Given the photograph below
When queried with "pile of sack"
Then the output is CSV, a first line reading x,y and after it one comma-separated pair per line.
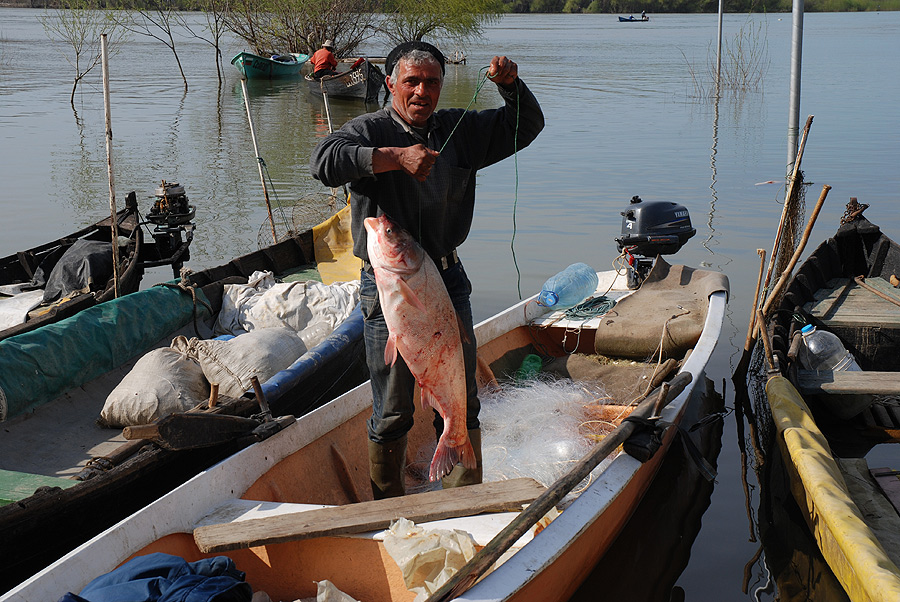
x,y
263,327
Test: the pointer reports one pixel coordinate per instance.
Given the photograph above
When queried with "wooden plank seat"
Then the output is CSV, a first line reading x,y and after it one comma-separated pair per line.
x,y
846,304
243,523
849,383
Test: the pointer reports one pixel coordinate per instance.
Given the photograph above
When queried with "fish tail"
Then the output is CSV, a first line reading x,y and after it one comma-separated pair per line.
x,y
467,455
445,458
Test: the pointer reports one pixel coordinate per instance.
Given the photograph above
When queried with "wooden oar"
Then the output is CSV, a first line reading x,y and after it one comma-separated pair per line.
x,y
487,556
192,430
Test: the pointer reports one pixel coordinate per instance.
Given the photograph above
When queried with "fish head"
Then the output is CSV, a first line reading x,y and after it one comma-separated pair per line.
x,y
391,247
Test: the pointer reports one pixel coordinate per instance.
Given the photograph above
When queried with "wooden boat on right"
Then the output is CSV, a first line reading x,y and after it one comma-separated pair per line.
x,y
828,421
363,80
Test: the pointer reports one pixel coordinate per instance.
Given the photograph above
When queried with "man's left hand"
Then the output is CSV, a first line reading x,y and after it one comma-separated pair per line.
x,y
503,71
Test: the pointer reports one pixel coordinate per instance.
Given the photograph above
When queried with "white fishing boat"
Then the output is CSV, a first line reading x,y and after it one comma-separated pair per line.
x,y
296,509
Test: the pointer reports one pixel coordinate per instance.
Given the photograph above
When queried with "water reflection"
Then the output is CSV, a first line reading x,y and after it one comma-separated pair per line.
x,y
646,560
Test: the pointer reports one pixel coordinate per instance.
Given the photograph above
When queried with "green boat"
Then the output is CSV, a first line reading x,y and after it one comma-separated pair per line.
x,y
276,66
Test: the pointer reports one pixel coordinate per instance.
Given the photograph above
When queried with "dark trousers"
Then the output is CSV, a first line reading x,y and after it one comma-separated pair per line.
x,y
393,386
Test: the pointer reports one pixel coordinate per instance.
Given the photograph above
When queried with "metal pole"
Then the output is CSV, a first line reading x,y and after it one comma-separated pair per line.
x,y
796,61
114,224
262,178
719,47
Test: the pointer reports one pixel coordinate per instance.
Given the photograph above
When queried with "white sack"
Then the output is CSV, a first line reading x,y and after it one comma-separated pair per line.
x,y
14,310
162,382
310,308
232,363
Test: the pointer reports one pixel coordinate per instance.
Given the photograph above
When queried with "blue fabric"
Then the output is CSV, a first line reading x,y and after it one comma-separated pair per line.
x,y
165,578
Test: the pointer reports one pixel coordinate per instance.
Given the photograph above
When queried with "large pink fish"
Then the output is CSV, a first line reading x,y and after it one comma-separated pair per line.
x,y
423,328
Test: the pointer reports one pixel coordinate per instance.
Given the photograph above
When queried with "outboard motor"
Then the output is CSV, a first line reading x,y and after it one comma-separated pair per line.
x,y
651,229
172,214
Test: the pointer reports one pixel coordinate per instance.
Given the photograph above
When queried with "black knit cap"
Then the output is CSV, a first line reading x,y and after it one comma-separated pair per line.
x,y
407,47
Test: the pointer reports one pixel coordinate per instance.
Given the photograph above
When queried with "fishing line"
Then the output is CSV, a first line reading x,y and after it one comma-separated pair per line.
x,y
482,79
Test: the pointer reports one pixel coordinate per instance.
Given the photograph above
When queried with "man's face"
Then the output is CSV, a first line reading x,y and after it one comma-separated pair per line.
x,y
416,89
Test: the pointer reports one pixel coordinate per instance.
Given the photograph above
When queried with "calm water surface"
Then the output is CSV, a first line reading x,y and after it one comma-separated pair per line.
x,y
622,120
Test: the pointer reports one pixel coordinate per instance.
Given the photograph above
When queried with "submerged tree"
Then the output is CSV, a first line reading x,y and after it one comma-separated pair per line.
x,y
79,23
214,11
271,26
453,20
155,19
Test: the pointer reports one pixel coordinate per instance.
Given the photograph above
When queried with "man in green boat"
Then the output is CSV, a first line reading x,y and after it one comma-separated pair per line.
x,y
417,165
323,60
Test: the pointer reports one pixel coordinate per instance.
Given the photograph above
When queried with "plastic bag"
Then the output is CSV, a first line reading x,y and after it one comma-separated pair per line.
x,y
427,558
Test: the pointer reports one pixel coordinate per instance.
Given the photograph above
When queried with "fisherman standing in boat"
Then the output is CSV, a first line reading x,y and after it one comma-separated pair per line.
x,y
418,165
323,60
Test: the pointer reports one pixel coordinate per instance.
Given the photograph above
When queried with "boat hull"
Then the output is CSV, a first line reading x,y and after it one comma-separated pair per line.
x,y
364,82
253,66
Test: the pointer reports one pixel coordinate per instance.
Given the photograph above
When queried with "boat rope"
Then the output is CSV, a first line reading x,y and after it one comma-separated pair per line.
x,y
262,163
187,286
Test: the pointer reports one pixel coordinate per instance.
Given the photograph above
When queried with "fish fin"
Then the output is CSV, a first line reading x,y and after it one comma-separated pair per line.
x,y
390,350
467,455
445,458
463,333
409,295
427,398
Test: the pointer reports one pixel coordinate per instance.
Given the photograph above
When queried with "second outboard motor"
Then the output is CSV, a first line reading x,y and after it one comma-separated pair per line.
x,y
651,229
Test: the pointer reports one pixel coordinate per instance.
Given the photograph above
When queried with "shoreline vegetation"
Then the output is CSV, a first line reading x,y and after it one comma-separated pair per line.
x,y
620,6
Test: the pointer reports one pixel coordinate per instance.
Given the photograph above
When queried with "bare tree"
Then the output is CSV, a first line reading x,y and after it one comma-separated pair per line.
x,y
155,19
214,11
79,24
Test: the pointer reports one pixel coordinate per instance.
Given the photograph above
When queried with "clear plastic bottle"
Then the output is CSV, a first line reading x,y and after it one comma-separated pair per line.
x,y
570,287
823,350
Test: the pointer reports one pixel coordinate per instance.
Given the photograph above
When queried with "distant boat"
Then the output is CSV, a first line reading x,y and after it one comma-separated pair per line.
x,y
277,66
632,19
363,80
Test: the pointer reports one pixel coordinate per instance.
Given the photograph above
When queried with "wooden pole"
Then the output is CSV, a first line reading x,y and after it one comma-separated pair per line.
x,y
786,274
259,161
785,210
114,224
488,555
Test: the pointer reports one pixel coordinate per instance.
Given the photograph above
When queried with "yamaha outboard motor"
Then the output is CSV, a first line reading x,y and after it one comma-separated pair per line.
x,y
651,229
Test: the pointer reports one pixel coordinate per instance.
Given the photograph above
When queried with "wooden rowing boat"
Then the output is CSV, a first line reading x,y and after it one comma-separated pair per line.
x,y
58,279
63,478
631,19
277,66
295,508
20,269
363,80
828,422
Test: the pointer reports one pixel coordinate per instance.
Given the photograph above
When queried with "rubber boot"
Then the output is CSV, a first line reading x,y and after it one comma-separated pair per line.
x,y
386,467
461,476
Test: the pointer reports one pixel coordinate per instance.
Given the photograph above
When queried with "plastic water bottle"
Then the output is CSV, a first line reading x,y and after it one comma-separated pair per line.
x,y
823,350
570,287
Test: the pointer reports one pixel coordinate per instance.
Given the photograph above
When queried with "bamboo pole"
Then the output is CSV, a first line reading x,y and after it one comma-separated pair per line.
x,y
259,161
752,325
785,210
114,224
785,275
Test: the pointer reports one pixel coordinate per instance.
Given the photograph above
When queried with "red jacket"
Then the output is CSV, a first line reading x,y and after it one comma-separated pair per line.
x,y
323,59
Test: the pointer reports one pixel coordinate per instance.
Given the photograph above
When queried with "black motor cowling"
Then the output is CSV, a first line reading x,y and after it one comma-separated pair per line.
x,y
654,228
